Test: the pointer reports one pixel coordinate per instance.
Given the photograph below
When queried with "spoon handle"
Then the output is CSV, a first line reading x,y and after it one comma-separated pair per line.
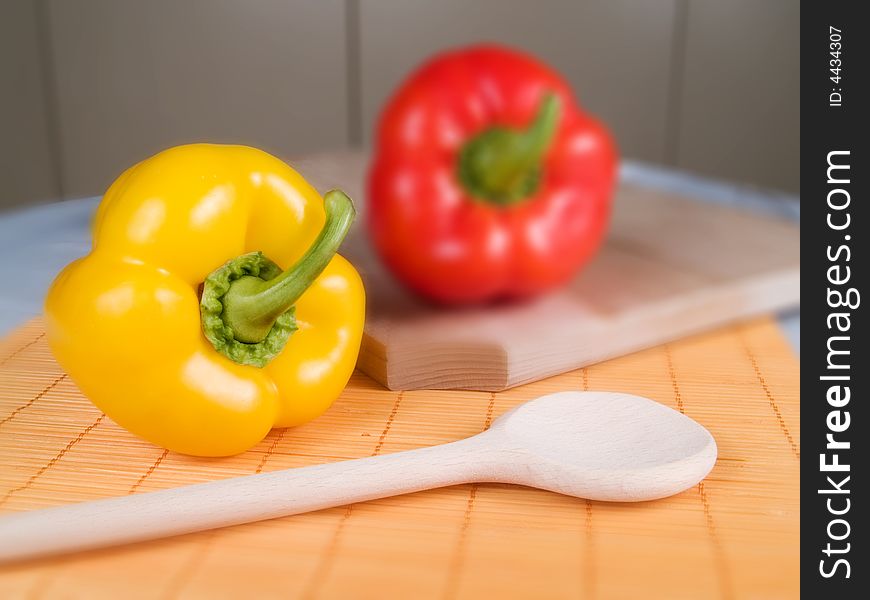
x,y
146,516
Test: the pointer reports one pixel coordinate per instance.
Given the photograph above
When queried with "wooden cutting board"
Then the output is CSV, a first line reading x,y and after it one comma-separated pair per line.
x,y
671,266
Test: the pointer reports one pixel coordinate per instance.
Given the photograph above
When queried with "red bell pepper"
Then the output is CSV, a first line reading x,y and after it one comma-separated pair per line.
x,y
488,180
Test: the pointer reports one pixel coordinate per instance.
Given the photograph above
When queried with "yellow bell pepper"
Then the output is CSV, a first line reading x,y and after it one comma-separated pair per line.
x,y
179,327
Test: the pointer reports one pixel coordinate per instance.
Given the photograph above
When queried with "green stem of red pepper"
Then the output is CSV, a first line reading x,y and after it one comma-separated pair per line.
x,y
247,303
503,165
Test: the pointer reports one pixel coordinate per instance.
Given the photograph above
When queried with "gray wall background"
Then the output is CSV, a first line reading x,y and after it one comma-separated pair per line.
x,y
92,86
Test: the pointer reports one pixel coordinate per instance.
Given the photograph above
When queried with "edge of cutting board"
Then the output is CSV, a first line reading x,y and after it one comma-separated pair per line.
x,y
486,366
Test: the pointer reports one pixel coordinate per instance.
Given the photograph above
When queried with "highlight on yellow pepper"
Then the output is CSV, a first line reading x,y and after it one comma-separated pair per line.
x,y
212,306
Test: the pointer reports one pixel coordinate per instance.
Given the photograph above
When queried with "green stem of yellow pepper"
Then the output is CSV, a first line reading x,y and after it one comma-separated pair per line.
x,y
247,304
252,305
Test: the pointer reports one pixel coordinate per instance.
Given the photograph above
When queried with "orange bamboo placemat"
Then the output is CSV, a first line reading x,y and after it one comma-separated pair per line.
x,y
734,536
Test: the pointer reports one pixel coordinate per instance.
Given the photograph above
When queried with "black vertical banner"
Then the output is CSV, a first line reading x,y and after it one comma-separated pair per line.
x,y
834,369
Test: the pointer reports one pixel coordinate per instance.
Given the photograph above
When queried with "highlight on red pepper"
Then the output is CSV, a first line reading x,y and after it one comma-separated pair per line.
x,y
488,179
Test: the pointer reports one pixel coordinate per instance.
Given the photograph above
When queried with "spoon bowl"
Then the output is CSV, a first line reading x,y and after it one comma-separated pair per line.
x,y
604,446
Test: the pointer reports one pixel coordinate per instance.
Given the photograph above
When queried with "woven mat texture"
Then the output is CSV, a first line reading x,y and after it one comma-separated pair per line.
x,y
733,536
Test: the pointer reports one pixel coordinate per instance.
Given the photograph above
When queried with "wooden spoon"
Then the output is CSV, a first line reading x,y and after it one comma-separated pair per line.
x,y
596,445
